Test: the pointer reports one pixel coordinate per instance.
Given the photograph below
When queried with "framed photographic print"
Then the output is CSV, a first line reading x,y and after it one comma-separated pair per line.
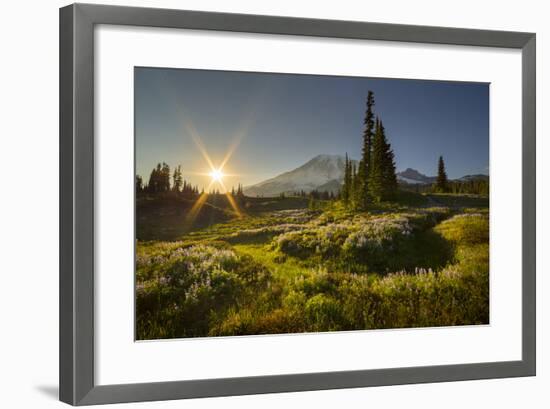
x,y
254,204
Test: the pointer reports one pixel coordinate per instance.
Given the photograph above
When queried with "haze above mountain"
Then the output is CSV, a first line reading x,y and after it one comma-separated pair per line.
x,y
326,173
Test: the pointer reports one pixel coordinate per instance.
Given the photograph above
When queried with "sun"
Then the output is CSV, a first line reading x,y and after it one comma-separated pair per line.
x,y
216,175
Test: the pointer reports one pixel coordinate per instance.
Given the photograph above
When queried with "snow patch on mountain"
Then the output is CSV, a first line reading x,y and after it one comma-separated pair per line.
x,y
319,171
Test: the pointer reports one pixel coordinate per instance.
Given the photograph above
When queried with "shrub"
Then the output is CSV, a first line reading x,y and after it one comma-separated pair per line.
x,y
192,283
363,243
323,313
323,240
377,234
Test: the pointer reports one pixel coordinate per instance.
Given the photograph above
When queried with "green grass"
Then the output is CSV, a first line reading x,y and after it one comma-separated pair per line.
x,y
396,265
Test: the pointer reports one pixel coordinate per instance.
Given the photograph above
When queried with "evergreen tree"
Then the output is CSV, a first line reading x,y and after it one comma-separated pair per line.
x,y
376,175
165,178
240,194
382,178
355,192
365,164
388,168
368,133
174,178
139,184
442,183
154,185
346,187
177,180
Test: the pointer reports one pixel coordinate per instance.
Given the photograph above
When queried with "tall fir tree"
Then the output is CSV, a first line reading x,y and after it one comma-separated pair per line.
x,y
346,187
139,184
165,177
365,164
177,180
368,133
356,199
376,174
154,185
442,183
382,178
388,168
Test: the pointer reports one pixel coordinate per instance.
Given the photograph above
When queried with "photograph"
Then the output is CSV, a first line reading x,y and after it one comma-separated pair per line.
x,y
285,203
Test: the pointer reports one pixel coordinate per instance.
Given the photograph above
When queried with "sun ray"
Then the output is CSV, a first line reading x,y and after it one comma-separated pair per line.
x,y
197,206
190,127
230,151
241,134
222,185
248,121
231,200
194,211
216,172
189,172
234,204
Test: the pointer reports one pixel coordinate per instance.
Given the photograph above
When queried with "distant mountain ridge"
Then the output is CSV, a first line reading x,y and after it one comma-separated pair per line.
x,y
326,173
412,176
478,176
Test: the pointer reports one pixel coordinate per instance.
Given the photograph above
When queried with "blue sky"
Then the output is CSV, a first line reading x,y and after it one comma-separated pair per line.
x,y
277,122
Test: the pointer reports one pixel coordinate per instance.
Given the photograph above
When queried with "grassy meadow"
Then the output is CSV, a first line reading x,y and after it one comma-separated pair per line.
x,y
289,265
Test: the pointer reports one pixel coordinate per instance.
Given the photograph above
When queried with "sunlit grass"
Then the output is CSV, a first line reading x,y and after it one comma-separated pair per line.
x,y
393,266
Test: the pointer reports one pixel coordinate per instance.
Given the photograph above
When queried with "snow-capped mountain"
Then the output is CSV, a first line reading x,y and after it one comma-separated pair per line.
x,y
323,172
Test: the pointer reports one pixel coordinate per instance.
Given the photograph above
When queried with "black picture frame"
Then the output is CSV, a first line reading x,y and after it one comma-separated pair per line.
x,y
77,385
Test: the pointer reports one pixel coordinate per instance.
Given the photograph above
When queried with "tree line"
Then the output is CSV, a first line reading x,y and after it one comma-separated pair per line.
x,y
161,180
314,194
373,179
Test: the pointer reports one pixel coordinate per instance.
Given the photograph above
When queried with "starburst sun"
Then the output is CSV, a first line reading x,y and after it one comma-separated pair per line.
x,y
216,175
